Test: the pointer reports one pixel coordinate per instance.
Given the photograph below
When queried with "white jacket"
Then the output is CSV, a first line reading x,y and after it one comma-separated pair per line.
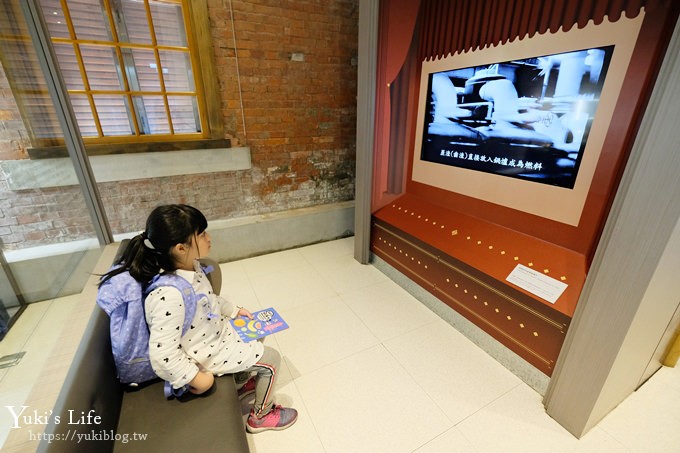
x,y
210,344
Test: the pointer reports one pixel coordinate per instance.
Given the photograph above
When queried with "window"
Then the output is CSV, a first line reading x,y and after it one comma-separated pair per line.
x,y
130,69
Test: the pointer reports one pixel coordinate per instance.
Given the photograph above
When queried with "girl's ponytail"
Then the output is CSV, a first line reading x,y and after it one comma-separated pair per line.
x,y
150,252
137,258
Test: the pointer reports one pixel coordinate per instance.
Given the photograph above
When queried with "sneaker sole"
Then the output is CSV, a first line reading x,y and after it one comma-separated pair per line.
x,y
252,430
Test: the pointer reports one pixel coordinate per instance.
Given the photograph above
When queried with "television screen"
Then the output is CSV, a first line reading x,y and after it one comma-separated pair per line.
x,y
526,119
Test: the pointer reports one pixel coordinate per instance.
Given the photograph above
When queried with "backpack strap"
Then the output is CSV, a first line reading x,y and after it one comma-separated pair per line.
x,y
184,287
190,303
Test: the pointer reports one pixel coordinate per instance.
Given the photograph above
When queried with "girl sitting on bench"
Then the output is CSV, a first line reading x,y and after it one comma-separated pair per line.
x,y
174,239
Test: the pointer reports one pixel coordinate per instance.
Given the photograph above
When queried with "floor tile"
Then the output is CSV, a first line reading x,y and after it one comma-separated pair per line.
x,y
329,251
452,441
290,287
517,423
321,334
387,309
368,403
450,368
345,274
236,286
273,263
649,420
667,377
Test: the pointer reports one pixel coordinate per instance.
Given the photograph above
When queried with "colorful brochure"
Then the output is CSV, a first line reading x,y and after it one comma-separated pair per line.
x,y
265,322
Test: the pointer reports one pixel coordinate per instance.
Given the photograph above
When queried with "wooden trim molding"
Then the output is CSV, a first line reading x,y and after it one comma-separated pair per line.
x,y
205,62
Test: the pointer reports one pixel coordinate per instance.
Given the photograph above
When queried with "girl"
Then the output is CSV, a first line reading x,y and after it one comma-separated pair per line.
x,y
174,240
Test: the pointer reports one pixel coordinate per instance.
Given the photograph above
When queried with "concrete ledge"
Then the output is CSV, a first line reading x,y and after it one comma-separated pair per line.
x,y
256,235
32,174
39,271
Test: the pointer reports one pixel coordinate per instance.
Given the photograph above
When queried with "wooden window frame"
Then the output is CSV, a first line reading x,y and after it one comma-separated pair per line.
x,y
199,42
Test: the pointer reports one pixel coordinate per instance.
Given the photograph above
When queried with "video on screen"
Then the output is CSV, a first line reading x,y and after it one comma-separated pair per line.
x,y
526,119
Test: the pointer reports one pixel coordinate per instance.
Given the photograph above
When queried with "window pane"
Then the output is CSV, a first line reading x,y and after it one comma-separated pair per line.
x,y
100,64
168,24
81,107
54,16
20,75
177,71
68,64
184,114
106,66
20,55
136,23
147,73
156,120
89,20
40,109
47,240
113,115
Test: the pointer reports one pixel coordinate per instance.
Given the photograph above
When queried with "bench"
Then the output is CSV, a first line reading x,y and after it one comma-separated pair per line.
x,y
95,412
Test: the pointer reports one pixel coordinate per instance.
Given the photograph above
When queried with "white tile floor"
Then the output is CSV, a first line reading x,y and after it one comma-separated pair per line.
x,y
370,369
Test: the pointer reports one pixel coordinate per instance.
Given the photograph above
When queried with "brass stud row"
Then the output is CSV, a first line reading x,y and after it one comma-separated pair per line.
x,y
401,252
475,297
486,304
455,232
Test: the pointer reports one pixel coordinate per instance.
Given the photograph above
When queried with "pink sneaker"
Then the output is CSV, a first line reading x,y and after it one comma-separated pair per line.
x,y
277,419
247,389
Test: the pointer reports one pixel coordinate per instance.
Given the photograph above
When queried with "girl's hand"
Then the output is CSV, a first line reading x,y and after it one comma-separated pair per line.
x,y
245,313
201,382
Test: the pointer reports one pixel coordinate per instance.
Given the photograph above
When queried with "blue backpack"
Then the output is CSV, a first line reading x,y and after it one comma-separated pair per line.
x,y
122,298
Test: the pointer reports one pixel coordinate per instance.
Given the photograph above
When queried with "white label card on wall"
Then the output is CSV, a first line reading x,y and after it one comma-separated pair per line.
x,y
536,283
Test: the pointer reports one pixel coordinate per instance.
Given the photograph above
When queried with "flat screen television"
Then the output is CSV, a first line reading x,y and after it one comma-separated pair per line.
x,y
523,124
527,118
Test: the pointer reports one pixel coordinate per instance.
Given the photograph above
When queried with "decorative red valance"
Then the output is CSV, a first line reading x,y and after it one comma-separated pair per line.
x,y
450,26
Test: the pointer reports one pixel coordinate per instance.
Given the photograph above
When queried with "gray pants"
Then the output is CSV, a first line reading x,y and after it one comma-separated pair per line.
x,y
265,371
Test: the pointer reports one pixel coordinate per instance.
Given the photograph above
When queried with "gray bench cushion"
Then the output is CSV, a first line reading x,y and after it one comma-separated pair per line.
x,y
200,425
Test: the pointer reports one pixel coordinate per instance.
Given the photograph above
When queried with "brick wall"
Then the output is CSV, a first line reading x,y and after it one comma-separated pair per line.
x,y
300,120
300,116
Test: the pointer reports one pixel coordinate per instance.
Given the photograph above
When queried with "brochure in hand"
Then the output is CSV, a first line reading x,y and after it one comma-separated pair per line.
x,y
265,322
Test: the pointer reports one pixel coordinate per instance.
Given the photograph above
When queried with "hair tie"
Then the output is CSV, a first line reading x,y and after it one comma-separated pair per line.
x,y
147,242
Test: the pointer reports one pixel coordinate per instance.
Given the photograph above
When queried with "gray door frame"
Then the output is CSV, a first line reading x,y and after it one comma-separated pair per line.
x,y
366,89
